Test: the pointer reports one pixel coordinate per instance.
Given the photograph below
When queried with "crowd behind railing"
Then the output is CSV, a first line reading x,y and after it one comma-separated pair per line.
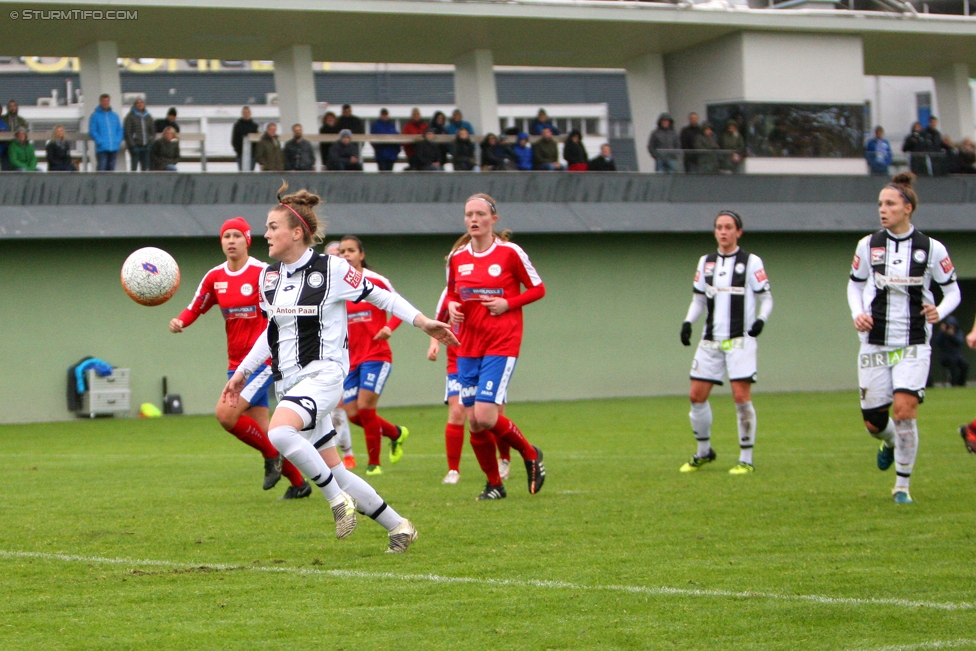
x,y
436,144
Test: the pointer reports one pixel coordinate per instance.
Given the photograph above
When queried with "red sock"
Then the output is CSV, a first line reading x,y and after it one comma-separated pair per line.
x,y
504,449
454,442
505,430
294,476
483,445
250,433
388,429
374,434
355,420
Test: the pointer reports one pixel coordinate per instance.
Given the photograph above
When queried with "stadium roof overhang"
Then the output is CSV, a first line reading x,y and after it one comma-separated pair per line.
x,y
528,33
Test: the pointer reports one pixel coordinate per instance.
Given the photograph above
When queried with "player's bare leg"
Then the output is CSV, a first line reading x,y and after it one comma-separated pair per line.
x,y
250,425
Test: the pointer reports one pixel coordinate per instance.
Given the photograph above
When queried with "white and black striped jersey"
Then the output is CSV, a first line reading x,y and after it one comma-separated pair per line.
x,y
897,272
306,307
730,284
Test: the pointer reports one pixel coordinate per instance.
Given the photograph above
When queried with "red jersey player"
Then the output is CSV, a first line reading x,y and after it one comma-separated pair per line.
x,y
234,287
484,294
370,362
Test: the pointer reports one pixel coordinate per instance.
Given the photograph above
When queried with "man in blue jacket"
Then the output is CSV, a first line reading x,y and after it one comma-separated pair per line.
x,y
878,153
105,128
386,154
457,123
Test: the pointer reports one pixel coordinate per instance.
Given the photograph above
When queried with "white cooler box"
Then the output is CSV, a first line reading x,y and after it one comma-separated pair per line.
x,y
105,396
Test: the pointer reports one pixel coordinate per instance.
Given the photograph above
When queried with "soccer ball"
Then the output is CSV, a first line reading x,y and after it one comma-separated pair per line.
x,y
150,276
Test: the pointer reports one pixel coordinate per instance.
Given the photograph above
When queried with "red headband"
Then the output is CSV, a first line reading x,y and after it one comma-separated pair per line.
x,y
240,224
295,212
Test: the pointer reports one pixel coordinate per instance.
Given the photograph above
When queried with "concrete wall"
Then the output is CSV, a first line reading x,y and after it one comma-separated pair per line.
x,y
607,327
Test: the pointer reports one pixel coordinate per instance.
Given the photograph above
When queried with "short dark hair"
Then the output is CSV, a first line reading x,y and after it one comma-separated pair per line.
x,y
345,106
383,111
99,97
171,111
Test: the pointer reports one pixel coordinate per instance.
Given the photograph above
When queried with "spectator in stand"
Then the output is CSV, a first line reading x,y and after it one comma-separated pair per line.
x,y
877,151
168,121
415,127
268,153
349,121
21,154
462,152
428,154
541,122
687,138
523,152
439,125
244,127
105,128
139,135
707,161
951,156
457,123
330,124
604,162
344,154
545,152
664,144
496,155
574,153
915,147
12,117
4,163
935,145
951,343
59,152
735,149
967,157
165,151
386,153
299,154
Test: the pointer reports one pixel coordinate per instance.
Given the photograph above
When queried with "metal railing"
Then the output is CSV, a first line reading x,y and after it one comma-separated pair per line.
x,y
82,144
699,161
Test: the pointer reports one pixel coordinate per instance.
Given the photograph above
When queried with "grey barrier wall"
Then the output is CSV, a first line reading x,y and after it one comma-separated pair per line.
x,y
192,205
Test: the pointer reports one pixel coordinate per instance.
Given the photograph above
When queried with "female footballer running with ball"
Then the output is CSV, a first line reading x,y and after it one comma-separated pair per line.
x,y
233,286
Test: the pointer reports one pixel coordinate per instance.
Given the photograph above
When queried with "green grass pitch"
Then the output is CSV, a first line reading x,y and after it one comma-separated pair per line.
x,y
155,534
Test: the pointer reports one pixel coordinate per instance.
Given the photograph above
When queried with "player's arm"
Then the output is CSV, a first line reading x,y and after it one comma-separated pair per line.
x,y
944,273
259,354
528,277
860,272
764,295
203,300
698,302
971,337
451,297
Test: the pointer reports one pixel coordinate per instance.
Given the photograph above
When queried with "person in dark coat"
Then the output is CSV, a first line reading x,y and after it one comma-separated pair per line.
x,y
139,135
604,162
687,137
545,152
59,152
938,150
663,145
496,155
428,153
915,147
165,152
349,121
344,154
574,153
438,124
244,127
267,151
541,122
462,152
706,163
735,149
951,343
168,121
299,154
330,124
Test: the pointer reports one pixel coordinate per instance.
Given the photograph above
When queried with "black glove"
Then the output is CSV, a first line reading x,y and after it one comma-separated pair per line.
x,y
686,333
756,328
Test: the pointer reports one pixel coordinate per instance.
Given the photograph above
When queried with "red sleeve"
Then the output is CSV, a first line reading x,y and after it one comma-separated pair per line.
x,y
530,295
452,295
394,323
202,301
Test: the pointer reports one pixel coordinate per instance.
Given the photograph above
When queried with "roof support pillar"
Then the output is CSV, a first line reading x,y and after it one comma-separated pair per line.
x,y
955,99
648,95
99,74
295,85
474,90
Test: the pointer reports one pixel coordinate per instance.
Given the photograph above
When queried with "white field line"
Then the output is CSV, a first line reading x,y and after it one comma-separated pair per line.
x,y
545,585
938,644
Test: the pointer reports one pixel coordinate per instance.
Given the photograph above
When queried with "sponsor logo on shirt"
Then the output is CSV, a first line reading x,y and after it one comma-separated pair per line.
x,y
889,358
709,268
247,289
353,277
315,280
363,316
857,261
465,269
270,280
761,276
293,310
877,255
740,268
919,255
495,270
476,293
221,288
946,265
697,275
246,312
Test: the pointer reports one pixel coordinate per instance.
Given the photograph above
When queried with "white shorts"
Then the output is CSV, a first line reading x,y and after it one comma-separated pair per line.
x,y
733,357
883,371
314,397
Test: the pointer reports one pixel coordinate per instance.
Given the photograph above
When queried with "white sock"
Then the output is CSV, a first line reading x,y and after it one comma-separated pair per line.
x,y
306,458
747,430
341,423
368,500
701,425
887,434
906,448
